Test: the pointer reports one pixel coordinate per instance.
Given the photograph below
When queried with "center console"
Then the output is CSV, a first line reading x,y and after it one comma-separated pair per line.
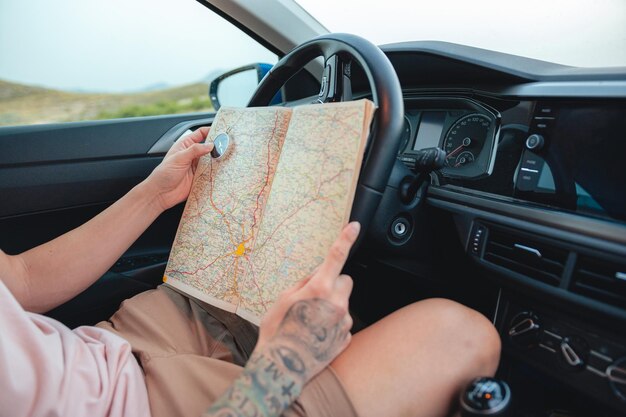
x,y
588,359
545,218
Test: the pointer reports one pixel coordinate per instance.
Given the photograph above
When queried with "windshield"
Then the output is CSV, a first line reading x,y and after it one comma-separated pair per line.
x,y
583,33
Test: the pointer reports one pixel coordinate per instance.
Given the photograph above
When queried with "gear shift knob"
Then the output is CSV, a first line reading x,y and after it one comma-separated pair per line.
x,y
486,397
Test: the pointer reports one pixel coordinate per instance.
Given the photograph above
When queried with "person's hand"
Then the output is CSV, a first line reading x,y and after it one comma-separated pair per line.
x,y
171,180
309,324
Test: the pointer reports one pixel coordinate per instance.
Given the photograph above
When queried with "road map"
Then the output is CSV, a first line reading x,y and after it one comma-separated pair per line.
x,y
264,216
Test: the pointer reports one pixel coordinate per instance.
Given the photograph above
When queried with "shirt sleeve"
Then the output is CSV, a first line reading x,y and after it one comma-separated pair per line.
x,y
48,369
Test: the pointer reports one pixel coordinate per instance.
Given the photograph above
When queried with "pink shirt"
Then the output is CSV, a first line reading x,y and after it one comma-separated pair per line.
x,y
46,369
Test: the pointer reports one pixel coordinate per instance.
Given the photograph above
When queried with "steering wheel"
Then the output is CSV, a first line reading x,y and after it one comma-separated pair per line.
x,y
338,50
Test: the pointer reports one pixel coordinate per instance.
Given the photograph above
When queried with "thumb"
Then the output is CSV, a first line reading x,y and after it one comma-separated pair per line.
x,y
194,151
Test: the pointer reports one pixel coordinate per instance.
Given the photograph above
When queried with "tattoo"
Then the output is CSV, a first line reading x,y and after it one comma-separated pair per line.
x,y
314,324
311,334
291,359
266,387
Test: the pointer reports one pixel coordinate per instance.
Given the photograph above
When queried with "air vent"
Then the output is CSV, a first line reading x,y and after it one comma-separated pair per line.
x,y
600,279
530,257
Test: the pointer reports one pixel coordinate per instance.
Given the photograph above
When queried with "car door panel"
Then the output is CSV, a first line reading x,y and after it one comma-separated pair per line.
x,y
54,178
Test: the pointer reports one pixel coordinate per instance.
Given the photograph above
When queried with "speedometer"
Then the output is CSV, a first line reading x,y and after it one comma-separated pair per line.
x,y
469,145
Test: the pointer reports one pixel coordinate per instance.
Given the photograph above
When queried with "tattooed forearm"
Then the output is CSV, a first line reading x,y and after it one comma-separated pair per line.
x,y
270,382
312,332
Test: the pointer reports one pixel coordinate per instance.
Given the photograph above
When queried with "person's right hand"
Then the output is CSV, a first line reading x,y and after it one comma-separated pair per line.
x,y
309,324
171,180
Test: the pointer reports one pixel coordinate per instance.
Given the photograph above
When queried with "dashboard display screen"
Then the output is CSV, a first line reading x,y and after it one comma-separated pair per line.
x,y
430,129
582,166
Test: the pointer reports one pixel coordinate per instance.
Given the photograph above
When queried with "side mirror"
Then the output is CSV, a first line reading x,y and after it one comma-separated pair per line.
x,y
235,88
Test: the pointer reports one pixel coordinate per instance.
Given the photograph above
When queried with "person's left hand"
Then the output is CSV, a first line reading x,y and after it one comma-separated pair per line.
x,y
171,180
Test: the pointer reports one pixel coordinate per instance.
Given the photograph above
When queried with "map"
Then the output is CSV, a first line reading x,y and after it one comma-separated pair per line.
x,y
264,216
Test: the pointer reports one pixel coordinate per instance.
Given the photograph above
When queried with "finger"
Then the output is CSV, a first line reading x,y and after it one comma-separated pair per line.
x,y
344,327
298,285
194,152
347,323
199,135
343,289
338,253
196,136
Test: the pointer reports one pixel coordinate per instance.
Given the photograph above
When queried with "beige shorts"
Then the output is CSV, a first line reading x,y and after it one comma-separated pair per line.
x,y
191,352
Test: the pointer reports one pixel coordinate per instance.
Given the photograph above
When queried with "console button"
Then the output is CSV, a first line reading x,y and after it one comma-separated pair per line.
x,y
524,330
544,111
542,124
535,142
616,372
574,352
529,171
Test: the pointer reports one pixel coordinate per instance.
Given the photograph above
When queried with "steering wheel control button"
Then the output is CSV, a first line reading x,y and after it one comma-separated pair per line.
x,y
485,397
430,159
323,86
424,161
221,145
535,142
524,330
400,229
409,161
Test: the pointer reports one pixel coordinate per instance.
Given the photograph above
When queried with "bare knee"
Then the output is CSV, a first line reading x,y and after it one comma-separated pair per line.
x,y
466,336
432,349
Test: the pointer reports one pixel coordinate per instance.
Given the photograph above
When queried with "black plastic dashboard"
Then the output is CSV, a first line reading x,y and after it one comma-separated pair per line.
x,y
534,183
570,181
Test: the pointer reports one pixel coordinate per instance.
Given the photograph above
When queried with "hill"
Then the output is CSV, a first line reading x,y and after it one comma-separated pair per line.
x,y
24,104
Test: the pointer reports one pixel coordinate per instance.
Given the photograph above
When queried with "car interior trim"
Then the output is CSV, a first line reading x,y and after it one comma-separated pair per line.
x,y
165,142
578,227
255,19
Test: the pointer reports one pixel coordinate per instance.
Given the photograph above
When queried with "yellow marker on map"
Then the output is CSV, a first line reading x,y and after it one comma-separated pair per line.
x,y
241,249
164,278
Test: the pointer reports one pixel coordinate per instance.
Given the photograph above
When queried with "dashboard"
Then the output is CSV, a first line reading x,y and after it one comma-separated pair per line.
x,y
533,184
568,156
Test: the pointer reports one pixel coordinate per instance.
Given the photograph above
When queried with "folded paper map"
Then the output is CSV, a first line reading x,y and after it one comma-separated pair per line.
x,y
263,216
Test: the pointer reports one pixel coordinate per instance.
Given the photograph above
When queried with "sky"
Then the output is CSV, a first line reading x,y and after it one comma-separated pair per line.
x,y
129,45
118,45
589,33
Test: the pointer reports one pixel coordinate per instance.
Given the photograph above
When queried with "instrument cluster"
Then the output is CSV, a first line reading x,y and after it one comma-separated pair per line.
x,y
465,129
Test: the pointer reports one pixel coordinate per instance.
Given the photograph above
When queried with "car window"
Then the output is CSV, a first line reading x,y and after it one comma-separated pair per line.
x,y
72,60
